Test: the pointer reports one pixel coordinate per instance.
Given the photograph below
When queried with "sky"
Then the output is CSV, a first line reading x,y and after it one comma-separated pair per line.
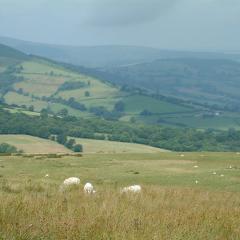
x,y
166,24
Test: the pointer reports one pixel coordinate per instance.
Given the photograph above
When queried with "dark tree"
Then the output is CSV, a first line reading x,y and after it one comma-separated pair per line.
x,y
87,94
63,112
61,138
70,143
119,106
78,148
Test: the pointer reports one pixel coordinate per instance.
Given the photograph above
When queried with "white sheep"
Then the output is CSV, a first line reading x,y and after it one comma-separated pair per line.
x,y
46,175
88,188
196,166
196,181
71,181
132,189
214,173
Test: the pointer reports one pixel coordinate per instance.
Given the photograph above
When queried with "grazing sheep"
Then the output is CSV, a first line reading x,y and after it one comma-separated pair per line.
x,y
88,188
221,175
46,175
71,181
230,166
132,189
214,173
182,155
195,166
196,182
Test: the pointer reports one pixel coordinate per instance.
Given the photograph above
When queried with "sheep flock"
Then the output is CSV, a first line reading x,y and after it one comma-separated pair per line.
x,y
89,189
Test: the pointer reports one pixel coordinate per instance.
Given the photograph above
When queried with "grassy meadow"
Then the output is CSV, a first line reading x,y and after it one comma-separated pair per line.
x,y
102,146
33,145
171,205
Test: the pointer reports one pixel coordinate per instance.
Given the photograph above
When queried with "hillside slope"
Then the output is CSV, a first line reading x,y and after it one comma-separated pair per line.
x,y
33,145
212,81
101,146
105,56
35,84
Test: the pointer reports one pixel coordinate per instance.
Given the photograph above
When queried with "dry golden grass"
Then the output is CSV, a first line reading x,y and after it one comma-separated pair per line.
x,y
33,145
171,205
41,211
102,146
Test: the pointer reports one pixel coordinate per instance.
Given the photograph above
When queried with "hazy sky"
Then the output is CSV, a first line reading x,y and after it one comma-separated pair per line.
x,y
166,24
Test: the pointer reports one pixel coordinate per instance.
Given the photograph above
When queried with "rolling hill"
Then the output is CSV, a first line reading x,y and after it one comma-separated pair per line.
x,y
110,147
33,83
33,145
210,81
106,56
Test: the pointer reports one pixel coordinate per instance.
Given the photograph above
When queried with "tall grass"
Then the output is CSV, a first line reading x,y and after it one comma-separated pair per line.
x,y
29,211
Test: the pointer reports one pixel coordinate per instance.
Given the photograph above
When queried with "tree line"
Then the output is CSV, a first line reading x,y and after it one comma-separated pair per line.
x,y
176,139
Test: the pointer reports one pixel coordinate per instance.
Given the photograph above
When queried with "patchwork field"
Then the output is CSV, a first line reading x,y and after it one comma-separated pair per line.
x,y
33,145
182,198
100,146
44,79
44,84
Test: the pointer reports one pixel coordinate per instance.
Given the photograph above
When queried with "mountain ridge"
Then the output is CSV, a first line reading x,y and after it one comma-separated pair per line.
x,y
108,55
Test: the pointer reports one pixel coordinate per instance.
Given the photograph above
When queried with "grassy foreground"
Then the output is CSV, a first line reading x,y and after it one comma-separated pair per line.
x,y
38,212
171,206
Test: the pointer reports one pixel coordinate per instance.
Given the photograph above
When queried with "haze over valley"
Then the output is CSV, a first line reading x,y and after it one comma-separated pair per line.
x,y
119,119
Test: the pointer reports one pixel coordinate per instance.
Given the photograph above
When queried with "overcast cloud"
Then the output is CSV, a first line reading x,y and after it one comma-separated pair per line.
x,y
169,24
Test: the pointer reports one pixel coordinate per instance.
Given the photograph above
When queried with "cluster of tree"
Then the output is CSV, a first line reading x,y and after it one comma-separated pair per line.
x,y
68,143
104,113
8,78
71,85
7,148
71,102
176,139
113,115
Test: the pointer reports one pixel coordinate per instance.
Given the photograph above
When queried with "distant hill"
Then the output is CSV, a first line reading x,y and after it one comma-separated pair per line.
x,y
105,56
33,83
211,81
9,52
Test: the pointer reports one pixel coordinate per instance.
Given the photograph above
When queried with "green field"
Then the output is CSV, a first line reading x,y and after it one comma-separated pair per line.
x,y
44,79
171,205
161,169
15,98
137,103
33,145
100,146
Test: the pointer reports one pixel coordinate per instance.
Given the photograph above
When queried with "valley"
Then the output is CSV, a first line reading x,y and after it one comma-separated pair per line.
x,y
119,120
42,84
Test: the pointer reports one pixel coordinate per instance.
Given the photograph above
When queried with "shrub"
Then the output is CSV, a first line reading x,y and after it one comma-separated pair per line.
x,y
78,148
7,148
